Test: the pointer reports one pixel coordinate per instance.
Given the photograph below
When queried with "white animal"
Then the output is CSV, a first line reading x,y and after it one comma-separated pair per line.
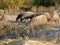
x,y
38,20
28,13
47,14
55,17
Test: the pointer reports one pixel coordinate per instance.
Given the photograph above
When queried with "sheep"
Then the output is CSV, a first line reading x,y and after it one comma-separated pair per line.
x,y
26,15
47,14
31,16
28,18
55,17
19,17
41,19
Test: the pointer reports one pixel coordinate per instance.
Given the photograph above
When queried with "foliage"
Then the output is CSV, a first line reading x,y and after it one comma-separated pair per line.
x,y
27,3
15,30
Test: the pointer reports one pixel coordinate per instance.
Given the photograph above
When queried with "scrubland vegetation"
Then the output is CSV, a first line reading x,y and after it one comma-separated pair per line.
x,y
14,6
48,33
20,31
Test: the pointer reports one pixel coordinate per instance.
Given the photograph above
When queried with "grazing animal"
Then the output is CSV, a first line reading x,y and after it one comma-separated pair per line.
x,y
38,20
26,15
29,17
47,14
55,17
19,17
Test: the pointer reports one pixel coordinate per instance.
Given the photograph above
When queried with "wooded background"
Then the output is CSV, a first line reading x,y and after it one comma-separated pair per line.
x,y
14,6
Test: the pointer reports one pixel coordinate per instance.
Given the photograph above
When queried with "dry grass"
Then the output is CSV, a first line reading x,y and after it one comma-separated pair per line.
x,y
21,31
24,42
36,42
15,30
42,9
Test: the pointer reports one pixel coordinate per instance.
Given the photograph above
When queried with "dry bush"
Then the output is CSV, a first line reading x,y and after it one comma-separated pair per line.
x,y
42,9
50,9
13,30
34,9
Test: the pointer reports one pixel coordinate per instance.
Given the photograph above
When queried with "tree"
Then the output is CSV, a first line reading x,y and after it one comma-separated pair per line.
x,y
28,3
44,3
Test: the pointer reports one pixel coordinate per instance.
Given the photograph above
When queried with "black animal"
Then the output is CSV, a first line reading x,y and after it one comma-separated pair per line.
x,y
31,16
19,17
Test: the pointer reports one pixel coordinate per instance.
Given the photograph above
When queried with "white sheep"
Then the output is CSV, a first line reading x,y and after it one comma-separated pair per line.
x,y
25,15
47,14
41,19
55,17
28,13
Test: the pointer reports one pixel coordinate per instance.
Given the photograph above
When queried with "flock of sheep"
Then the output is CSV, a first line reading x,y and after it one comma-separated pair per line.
x,y
37,19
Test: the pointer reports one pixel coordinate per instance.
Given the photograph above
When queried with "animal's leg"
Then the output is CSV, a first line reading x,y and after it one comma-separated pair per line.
x,y
21,19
